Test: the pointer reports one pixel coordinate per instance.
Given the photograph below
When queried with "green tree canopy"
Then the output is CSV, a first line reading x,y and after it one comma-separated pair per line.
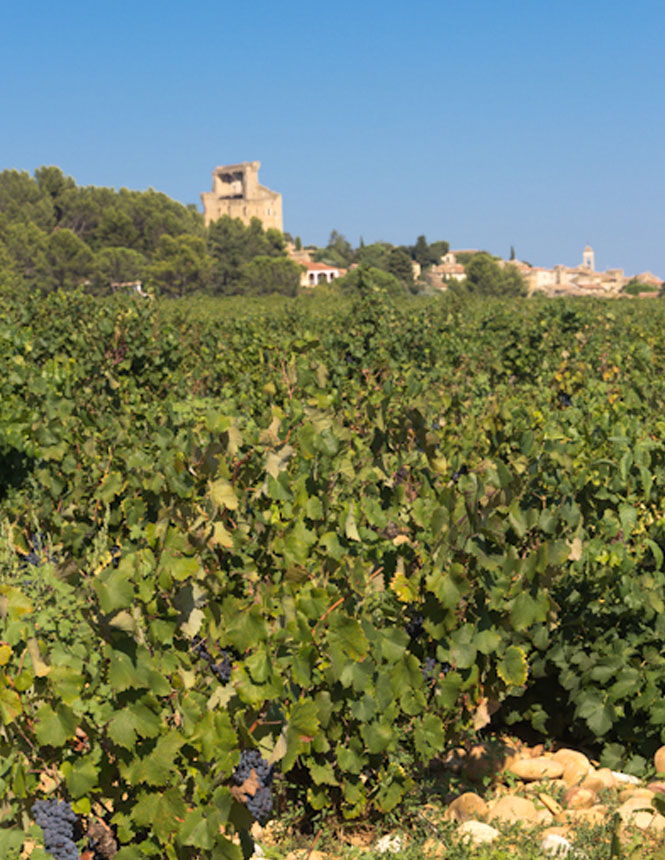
x,y
8,274
70,261
423,253
399,265
118,266
366,279
26,244
265,275
485,277
232,243
181,265
439,248
634,287
22,200
338,251
375,255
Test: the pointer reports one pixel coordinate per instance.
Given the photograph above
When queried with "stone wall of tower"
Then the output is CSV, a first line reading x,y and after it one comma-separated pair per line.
x,y
236,192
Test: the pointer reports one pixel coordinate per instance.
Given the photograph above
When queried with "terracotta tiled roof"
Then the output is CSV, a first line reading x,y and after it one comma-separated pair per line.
x,y
321,267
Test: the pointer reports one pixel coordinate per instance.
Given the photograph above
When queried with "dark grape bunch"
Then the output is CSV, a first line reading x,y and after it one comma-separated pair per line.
x,y
38,553
260,803
221,668
57,820
431,669
414,627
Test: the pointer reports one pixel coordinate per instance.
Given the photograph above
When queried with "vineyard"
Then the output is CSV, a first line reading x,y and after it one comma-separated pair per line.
x,y
290,551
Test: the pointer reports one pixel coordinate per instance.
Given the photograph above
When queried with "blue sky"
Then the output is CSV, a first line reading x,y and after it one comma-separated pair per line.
x,y
533,123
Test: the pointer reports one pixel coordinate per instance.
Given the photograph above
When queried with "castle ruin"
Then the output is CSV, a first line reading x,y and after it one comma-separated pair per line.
x,y
236,192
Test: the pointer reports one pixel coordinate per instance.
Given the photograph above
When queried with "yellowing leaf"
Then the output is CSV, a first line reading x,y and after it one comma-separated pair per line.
x,y
123,621
221,537
5,654
575,549
193,623
277,461
350,527
10,705
513,668
483,715
222,494
440,465
13,603
279,750
401,586
40,667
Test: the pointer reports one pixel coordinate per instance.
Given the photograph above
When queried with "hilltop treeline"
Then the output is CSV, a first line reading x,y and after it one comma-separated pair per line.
x,y
57,235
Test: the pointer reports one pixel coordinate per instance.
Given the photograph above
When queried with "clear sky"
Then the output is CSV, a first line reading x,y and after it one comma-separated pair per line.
x,y
533,123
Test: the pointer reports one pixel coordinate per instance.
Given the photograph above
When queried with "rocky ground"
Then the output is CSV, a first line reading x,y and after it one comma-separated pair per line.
x,y
507,787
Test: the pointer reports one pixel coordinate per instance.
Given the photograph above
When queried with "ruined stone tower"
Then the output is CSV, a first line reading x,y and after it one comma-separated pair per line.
x,y
236,192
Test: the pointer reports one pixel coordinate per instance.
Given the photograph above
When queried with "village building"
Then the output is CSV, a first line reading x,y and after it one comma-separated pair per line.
x,y
440,274
649,279
319,273
236,192
450,258
572,280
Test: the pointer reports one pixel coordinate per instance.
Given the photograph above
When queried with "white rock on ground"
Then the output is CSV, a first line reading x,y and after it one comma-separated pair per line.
x,y
626,778
389,844
478,832
555,845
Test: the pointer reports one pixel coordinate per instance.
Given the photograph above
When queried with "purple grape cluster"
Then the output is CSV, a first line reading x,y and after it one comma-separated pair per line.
x,y
221,669
415,627
260,803
431,669
39,553
57,819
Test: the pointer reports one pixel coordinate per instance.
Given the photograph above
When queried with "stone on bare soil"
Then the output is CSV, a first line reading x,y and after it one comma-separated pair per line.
x,y
550,803
567,756
659,760
594,815
578,797
465,807
575,765
574,773
533,769
512,809
639,812
636,791
597,780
